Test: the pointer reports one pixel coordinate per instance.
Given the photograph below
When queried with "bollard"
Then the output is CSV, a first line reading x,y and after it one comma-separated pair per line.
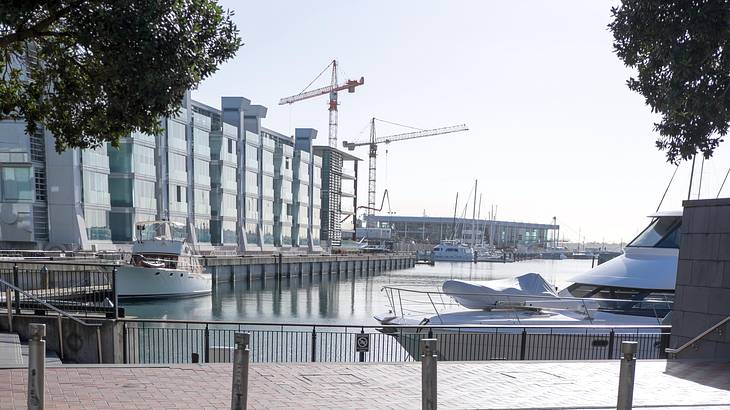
x,y
239,391
428,374
36,365
626,376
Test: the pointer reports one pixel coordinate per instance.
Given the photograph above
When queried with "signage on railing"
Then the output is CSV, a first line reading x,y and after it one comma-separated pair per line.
x,y
362,343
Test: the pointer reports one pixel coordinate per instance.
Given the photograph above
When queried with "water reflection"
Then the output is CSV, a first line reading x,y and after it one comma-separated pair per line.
x,y
347,299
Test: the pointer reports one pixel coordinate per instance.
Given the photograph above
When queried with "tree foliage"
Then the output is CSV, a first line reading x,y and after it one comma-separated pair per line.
x,y
680,51
92,71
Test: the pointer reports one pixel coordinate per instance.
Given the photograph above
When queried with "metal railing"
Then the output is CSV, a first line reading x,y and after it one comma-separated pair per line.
x,y
180,341
10,288
73,287
698,338
415,303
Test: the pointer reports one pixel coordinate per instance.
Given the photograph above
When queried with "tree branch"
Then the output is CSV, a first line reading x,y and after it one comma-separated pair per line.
x,y
40,28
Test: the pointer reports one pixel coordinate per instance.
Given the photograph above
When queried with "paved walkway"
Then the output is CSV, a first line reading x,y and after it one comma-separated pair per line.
x,y
659,384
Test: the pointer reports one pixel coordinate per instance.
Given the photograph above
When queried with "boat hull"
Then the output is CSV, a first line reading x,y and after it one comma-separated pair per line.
x,y
140,282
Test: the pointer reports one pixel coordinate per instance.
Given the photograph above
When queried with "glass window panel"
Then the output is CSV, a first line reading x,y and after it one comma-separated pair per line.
x,y
17,184
96,188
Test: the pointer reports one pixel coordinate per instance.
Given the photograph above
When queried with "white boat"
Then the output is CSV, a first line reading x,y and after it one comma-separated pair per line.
x,y
452,251
632,290
163,264
488,253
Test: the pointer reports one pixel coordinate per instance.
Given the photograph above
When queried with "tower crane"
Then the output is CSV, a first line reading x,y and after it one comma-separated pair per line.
x,y
373,144
332,90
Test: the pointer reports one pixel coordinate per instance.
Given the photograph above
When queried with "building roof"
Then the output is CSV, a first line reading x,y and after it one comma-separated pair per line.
x,y
345,155
450,220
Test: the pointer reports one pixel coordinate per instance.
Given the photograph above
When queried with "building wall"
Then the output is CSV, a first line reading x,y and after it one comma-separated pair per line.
x,y
218,172
702,292
433,230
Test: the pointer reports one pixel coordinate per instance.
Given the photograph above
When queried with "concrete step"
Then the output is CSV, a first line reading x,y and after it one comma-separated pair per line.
x,y
14,353
10,351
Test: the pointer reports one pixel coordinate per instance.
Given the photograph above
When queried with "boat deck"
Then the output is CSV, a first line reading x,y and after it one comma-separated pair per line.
x,y
571,384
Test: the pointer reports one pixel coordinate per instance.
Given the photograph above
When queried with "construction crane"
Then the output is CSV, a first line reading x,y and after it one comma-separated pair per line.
x,y
332,90
374,141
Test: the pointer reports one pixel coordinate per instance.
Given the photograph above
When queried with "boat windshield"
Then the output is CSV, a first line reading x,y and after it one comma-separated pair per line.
x,y
162,230
663,232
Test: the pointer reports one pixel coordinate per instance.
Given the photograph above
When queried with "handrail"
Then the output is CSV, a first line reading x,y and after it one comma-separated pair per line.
x,y
419,326
697,338
49,306
525,297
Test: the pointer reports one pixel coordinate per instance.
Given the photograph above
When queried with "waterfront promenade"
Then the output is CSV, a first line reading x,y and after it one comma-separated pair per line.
x,y
567,384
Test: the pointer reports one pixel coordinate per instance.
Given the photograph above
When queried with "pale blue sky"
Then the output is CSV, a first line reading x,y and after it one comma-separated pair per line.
x,y
553,129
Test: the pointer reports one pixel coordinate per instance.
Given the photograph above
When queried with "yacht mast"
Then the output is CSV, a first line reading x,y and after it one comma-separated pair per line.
x,y
479,216
453,224
473,216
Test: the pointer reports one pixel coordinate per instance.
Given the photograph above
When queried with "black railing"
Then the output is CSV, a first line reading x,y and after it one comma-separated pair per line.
x,y
172,341
79,288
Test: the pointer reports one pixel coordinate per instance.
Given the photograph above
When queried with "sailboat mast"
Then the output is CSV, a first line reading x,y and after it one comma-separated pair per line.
x,y
453,225
474,216
479,215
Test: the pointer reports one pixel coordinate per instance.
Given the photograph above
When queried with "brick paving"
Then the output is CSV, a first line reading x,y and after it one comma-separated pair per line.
x,y
659,384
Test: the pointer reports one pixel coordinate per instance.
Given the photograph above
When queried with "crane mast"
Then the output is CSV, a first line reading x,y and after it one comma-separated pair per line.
x,y
332,90
373,151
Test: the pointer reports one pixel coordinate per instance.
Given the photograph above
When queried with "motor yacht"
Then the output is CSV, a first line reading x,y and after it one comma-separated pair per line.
x,y
163,264
633,290
452,251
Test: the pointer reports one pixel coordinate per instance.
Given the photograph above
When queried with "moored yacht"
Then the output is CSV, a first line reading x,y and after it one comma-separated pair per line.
x,y
453,251
634,289
163,264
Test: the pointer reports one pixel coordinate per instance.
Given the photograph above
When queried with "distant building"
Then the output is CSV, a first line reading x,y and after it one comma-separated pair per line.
x,y
233,183
432,230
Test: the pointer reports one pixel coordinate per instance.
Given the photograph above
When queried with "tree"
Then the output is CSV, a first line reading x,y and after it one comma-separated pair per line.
x,y
92,71
680,51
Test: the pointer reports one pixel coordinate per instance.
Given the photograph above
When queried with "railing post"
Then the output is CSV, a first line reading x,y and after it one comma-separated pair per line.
x,y
239,390
36,366
206,346
125,354
98,345
9,307
60,335
626,376
611,341
16,283
115,297
314,344
523,344
428,374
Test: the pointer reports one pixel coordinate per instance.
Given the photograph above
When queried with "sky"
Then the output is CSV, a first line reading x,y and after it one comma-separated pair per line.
x,y
553,129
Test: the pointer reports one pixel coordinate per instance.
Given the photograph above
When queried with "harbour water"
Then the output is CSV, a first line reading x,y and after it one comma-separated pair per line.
x,y
332,300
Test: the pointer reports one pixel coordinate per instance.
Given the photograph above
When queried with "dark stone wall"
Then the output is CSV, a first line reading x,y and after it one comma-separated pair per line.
x,y
702,296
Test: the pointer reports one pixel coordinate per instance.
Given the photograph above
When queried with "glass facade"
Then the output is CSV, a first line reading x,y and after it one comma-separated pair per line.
x,y
96,188
176,137
97,224
17,184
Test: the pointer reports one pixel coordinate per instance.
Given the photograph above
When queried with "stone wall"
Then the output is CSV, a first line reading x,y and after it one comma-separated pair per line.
x,y
702,296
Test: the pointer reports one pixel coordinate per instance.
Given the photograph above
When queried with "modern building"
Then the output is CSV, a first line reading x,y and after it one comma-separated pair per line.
x,y
432,230
231,182
338,193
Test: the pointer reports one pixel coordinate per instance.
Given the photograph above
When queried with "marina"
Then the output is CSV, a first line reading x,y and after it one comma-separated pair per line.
x,y
453,233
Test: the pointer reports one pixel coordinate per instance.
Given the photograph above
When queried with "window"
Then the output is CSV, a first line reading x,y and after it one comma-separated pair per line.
x,y
96,188
179,193
17,184
286,162
663,232
230,146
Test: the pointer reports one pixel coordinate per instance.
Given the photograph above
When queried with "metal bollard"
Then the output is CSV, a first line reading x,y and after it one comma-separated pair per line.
x,y
429,360
626,376
36,366
239,390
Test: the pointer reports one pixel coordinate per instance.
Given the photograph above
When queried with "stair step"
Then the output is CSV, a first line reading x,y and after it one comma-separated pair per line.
x,y
10,350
